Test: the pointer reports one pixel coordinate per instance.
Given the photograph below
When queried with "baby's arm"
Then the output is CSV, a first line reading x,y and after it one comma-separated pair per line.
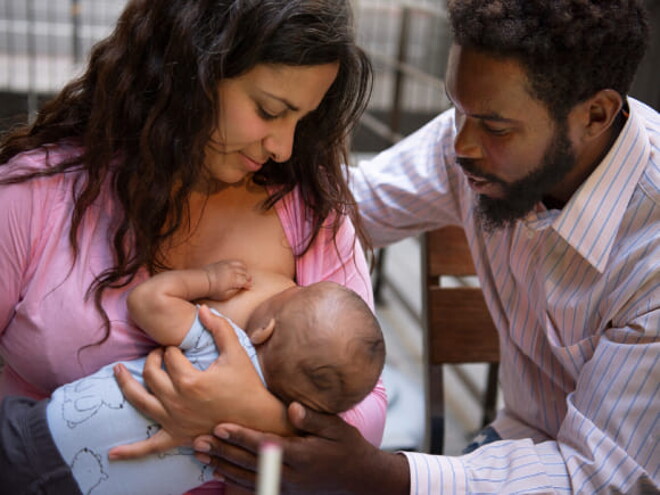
x,y
162,305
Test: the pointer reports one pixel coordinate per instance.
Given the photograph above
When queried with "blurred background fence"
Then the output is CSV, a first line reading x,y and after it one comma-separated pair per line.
x,y
43,43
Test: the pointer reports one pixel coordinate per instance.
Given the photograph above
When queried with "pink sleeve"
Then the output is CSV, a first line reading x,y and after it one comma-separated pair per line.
x,y
17,215
342,261
369,415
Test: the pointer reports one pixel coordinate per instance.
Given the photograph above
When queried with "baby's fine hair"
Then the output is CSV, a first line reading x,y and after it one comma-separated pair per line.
x,y
326,302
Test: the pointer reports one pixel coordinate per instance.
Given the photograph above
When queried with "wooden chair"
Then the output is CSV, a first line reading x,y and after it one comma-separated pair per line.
x,y
457,325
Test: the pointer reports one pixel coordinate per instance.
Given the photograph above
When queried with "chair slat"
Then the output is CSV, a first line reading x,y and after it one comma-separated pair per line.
x,y
463,328
448,253
457,324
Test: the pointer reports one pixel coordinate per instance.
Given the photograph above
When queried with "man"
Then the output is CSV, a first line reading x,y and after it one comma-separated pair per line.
x,y
555,177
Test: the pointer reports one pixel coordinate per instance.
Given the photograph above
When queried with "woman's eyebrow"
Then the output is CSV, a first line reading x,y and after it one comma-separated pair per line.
x,y
286,102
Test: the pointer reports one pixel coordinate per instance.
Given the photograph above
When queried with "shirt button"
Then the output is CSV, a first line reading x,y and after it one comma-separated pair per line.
x,y
530,234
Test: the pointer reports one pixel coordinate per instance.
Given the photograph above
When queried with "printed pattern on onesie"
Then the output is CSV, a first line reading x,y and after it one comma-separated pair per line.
x,y
89,416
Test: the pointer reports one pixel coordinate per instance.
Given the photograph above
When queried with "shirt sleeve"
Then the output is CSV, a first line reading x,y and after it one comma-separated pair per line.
x,y
410,187
607,442
17,216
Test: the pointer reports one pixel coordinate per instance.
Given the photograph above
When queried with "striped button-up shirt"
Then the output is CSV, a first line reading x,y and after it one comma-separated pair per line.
x,y
575,295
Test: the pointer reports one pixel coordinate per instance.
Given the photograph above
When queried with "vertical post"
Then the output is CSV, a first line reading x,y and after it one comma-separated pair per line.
x,y
399,75
395,124
76,40
32,99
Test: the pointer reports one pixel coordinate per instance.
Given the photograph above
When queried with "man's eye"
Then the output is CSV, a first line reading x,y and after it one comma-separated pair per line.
x,y
496,131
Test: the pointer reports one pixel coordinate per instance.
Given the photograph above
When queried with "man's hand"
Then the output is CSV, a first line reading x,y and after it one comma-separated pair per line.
x,y
330,457
187,402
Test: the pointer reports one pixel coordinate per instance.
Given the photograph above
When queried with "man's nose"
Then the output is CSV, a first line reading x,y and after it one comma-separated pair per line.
x,y
466,142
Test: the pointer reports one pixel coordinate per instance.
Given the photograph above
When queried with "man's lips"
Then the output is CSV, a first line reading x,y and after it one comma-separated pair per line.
x,y
481,185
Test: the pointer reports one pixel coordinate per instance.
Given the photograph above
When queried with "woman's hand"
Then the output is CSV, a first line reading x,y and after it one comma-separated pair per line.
x,y
330,457
187,402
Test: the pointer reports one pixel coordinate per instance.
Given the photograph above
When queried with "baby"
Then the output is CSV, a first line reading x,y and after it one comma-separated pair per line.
x,y
320,345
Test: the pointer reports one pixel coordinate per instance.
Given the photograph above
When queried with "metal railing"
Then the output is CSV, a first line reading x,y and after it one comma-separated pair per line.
x,y
407,43
43,43
408,87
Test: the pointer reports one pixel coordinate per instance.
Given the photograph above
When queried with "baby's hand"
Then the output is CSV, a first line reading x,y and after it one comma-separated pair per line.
x,y
227,278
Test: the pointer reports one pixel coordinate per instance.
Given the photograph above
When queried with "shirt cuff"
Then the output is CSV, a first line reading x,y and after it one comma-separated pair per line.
x,y
436,474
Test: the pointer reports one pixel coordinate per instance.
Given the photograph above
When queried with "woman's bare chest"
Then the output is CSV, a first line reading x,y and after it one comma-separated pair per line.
x,y
233,228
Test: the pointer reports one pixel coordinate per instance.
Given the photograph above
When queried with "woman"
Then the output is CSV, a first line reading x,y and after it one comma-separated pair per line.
x,y
201,130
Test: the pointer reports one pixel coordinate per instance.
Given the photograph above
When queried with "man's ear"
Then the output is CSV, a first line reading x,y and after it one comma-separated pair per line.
x,y
262,334
600,112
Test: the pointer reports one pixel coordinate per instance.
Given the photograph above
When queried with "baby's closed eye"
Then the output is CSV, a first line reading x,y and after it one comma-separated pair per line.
x,y
325,378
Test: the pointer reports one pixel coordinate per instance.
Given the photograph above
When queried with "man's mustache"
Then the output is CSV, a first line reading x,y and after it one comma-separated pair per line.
x,y
471,167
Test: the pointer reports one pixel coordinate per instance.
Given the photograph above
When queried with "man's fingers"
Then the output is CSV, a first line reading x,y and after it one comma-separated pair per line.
x,y
238,440
137,395
310,421
160,442
232,463
231,474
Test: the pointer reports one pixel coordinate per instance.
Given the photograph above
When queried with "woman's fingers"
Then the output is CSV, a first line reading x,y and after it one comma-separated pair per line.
x,y
137,395
179,369
223,334
160,442
159,381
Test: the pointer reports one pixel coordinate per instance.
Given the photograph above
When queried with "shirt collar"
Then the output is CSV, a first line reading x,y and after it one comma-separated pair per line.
x,y
590,220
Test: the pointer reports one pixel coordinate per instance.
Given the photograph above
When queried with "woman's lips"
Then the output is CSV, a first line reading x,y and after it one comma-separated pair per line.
x,y
250,164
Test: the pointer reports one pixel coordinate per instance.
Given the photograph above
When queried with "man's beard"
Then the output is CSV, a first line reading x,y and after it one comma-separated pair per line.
x,y
521,196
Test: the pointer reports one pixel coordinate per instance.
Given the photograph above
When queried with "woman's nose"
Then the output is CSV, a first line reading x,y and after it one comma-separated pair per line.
x,y
279,142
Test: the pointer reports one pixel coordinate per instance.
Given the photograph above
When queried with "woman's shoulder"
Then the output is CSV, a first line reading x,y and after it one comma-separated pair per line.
x,y
39,159
43,195
297,221
292,207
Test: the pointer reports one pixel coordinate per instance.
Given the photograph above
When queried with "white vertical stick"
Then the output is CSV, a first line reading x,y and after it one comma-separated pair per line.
x,y
270,467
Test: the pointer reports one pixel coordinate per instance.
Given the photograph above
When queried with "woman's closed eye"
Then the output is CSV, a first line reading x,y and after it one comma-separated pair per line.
x,y
266,115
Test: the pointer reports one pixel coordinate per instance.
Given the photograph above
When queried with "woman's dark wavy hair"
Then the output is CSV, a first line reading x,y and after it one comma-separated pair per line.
x,y
571,49
147,104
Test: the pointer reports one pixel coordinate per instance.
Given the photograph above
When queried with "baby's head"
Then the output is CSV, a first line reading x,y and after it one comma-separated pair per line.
x,y
320,345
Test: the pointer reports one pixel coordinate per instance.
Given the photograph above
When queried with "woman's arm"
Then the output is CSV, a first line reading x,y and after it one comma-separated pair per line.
x,y
20,219
162,305
191,402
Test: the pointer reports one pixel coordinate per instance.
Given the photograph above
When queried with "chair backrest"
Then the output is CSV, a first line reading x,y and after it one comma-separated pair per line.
x,y
457,324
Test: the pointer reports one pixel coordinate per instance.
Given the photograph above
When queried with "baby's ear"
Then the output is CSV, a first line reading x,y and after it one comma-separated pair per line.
x,y
262,334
